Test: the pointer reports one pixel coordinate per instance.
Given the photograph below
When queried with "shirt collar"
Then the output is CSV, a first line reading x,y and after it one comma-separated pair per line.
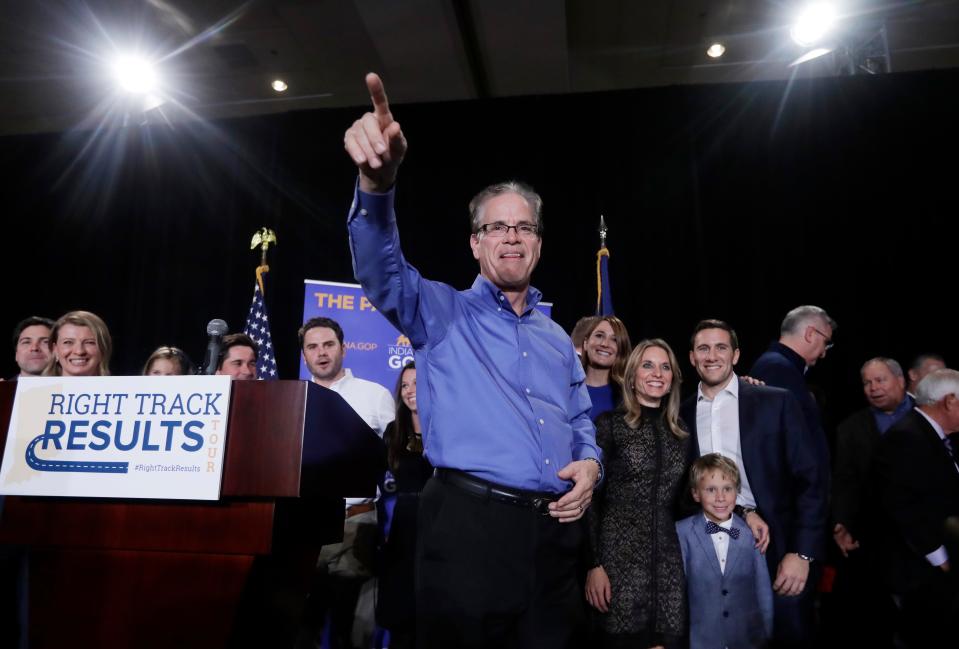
x,y
726,524
904,406
732,388
487,288
790,355
340,382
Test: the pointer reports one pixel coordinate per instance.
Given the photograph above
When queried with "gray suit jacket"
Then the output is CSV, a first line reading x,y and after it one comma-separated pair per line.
x,y
732,609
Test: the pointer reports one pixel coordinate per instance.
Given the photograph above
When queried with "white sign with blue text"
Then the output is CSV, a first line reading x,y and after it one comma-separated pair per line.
x,y
117,437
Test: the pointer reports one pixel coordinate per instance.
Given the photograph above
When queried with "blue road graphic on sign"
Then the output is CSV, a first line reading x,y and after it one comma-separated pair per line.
x,y
37,464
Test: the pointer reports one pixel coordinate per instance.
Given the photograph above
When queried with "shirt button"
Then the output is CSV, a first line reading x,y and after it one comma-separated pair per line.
x,y
725,592
547,460
725,613
502,297
524,354
541,422
527,391
499,309
363,211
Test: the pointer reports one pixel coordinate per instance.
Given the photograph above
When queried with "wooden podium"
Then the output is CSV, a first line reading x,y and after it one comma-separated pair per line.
x,y
229,573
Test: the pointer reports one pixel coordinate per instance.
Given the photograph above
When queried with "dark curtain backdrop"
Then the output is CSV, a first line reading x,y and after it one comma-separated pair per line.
x,y
729,201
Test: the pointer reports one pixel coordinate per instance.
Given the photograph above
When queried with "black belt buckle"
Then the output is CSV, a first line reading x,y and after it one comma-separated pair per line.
x,y
541,505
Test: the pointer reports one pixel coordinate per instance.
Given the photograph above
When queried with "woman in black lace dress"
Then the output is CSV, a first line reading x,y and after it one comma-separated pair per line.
x,y
637,581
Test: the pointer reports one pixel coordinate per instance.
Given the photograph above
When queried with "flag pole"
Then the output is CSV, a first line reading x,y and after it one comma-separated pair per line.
x,y
604,300
263,237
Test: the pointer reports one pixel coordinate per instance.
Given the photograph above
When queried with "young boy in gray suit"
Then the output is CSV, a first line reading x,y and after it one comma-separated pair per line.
x,y
730,597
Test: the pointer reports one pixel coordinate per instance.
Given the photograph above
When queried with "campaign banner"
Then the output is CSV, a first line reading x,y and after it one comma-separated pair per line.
x,y
375,349
117,437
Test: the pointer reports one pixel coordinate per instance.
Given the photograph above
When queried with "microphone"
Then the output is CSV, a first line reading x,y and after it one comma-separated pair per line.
x,y
215,329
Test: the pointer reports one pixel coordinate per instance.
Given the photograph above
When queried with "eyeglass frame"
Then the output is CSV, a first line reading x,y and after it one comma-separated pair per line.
x,y
484,229
829,343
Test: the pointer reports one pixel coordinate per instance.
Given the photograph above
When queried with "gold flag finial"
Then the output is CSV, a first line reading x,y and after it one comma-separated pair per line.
x,y
263,237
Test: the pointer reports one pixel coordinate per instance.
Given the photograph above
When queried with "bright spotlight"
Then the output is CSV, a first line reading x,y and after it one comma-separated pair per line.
x,y
135,75
279,85
814,22
716,50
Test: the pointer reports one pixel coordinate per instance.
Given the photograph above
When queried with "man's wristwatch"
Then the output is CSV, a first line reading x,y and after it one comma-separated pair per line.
x,y
805,558
743,511
599,478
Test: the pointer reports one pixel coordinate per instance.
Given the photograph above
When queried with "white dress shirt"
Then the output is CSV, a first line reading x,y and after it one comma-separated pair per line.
x,y
372,402
717,430
721,542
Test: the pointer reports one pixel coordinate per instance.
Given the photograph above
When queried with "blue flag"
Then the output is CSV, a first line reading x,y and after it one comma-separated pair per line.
x,y
258,328
604,296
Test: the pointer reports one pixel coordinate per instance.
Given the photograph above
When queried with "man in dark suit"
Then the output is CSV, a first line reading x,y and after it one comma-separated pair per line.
x,y
804,338
918,476
763,431
862,598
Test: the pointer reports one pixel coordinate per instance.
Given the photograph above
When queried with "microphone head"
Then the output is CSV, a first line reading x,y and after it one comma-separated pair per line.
x,y
217,327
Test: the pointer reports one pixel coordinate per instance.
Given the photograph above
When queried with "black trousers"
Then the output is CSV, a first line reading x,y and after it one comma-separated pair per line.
x,y
491,574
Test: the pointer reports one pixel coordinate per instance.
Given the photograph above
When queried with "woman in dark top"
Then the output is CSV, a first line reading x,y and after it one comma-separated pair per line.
x,y
410,470
605,350
637,579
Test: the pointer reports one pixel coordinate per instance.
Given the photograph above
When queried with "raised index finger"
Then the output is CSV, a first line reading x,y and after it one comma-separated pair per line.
x,y
381,105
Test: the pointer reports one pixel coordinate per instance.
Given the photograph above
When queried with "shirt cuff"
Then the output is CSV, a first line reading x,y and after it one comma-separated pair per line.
x,y
938,556
376,203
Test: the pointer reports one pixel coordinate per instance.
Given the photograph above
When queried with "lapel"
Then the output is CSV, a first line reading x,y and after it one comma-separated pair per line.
x,y
738,546
936,446
748,407
706,542
747,414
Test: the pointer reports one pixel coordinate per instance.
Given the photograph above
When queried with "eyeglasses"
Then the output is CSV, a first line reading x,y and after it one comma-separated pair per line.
x,y
829,342
499,230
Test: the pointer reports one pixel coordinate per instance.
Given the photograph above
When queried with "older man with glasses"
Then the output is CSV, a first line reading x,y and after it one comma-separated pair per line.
x,y
503,407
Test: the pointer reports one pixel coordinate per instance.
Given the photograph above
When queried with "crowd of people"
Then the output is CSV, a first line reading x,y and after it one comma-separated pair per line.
x,y
548,494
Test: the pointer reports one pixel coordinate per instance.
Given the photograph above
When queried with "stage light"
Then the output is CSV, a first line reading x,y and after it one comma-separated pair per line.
x,y
814,22
279,85
716,50
135,75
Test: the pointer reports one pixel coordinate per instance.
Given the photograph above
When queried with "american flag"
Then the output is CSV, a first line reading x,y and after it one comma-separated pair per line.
x,y
258,328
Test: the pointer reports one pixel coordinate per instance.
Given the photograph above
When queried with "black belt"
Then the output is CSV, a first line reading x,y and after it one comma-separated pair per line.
x,y
537,501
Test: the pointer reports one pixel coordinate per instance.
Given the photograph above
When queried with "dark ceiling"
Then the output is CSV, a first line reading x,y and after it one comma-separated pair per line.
x,y
218,57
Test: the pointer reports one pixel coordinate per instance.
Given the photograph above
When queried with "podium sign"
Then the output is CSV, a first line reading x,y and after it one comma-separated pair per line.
x,y
117,437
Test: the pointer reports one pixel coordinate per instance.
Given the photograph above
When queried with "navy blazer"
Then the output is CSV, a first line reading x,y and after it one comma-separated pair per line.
x,y
731,609
781,463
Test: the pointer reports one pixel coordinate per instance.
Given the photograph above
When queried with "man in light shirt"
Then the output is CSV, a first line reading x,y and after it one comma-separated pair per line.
x,y
918,479
763,431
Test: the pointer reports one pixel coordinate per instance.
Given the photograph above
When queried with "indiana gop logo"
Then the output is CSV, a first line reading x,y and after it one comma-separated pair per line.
x,y
400,353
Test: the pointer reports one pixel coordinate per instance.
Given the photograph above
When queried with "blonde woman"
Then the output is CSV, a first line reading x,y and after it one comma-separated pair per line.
x,y
81,345
636,580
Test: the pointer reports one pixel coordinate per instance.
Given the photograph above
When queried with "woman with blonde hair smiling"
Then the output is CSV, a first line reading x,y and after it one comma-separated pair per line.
x,y
81,345
636,579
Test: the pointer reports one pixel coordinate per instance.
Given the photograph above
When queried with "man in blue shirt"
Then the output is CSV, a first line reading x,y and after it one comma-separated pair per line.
x,y
503,407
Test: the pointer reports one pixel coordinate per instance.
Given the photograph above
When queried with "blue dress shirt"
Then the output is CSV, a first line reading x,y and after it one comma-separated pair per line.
x,y
885,421
500,395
